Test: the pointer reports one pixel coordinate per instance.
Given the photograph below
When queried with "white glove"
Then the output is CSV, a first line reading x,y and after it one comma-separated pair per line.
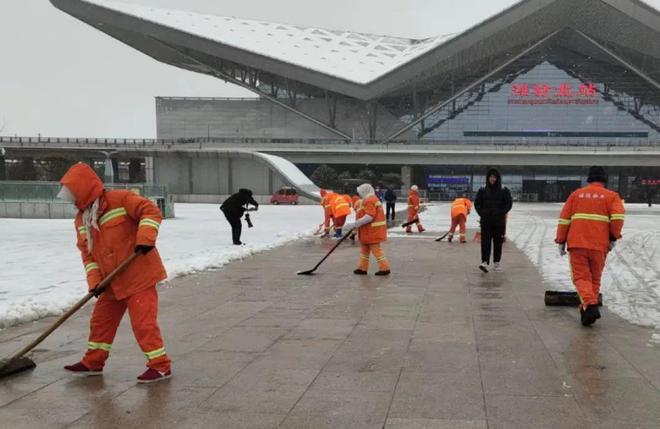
x,y
561,247
612,245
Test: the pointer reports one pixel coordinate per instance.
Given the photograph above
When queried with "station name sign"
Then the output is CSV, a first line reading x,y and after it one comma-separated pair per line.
x,y
539,93
651,182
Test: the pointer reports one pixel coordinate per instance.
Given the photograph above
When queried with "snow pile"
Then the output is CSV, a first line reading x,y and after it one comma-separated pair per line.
x,y
42,274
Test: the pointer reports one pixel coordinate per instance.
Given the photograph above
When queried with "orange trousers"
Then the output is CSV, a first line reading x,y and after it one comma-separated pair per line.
x,y
143,310
340,221
411,216
457,221
379,254
587,268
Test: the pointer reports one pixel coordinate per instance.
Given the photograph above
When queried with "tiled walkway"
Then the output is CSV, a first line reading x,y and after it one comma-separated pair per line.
x,y
436,345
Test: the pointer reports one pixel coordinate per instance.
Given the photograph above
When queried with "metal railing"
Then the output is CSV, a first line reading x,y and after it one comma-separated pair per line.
x,y
538,143
18,191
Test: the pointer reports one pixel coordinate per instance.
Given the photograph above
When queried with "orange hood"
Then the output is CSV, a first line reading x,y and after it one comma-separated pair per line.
x,y
84,184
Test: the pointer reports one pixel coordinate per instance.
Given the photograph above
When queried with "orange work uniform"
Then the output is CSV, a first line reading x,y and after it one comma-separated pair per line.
x,y
460,209
413,211
124,220
341,208
327,202
372,234
591,218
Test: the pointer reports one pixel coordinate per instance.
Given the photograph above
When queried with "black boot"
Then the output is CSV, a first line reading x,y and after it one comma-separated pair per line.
x,y
359,272
383,273
590,315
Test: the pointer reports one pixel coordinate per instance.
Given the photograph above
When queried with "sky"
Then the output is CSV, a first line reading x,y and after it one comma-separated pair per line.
x,y
60,77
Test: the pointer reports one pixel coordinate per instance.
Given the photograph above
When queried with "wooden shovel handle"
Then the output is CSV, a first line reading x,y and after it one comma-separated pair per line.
x,y
101,287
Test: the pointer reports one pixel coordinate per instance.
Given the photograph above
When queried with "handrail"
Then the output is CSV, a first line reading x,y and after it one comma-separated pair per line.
x,y
535,142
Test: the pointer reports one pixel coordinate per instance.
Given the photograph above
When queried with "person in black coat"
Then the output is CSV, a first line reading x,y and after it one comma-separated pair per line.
x,y
492,204
390,203
234,207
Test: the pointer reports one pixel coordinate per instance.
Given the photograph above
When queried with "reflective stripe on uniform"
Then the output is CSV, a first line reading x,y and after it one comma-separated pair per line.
x,y
82,230
155,354
617,217
377,224
112,214
590,216
378,204
150,223
91,266
564,221
99,346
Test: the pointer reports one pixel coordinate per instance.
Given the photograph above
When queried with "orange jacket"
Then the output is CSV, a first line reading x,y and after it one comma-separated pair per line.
x,y
341,206
356,202
327,201
461,206
125,220
413,204
591,218
375,231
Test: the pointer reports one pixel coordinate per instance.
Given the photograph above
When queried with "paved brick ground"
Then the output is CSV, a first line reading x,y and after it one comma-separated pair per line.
x,y
436,345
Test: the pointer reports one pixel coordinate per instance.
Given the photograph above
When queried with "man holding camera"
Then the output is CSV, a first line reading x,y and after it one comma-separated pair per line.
x,y
234,207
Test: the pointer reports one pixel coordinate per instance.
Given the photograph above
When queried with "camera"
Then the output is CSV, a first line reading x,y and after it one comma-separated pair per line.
x,y
248,220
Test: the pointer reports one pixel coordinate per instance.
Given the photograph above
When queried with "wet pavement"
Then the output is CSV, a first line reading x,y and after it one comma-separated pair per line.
x,y
438,344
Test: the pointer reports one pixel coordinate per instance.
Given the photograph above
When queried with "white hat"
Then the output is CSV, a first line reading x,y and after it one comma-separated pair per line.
x,y
365,190
414,188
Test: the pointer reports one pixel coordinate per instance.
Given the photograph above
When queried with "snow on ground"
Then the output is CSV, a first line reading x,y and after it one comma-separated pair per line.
x,y
42,274
631,281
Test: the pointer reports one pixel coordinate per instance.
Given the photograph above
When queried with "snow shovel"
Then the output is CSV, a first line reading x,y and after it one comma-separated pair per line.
x,y
19,362
341,240
565,298
407,224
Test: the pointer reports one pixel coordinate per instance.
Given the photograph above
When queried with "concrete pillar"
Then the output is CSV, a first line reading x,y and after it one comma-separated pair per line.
x,y
406,176
191,180
149,170
3,169
623,185
230,177
135,174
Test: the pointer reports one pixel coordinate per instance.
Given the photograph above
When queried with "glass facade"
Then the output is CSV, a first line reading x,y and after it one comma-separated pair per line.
x,y
565,92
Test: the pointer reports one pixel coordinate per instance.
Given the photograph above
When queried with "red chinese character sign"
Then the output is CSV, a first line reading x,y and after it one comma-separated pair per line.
x,y
537,93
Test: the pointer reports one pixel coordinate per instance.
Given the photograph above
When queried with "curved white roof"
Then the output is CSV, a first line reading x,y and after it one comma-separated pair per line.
x,y
355,57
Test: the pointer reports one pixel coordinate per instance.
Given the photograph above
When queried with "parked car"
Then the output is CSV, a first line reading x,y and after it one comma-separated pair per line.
x,y
285,195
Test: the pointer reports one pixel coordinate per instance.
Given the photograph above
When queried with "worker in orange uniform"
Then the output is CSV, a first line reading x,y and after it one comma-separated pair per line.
x,y
341,208
110,226
356,205
589,226
413,209
327,202
372,231
460,209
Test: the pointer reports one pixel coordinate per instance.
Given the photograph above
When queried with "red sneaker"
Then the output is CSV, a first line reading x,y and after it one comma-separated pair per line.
x,y
151,376
82,370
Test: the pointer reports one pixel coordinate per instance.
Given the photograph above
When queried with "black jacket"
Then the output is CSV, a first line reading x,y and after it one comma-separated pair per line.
x,y
390,196
493,202
235,205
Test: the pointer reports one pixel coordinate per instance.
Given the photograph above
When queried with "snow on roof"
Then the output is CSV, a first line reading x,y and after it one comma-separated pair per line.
x,y
653,3
352,56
